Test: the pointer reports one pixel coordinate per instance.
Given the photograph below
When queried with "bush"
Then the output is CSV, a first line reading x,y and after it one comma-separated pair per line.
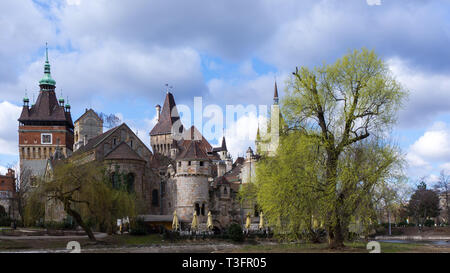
x,y
5,221
235,233
138,227
429,223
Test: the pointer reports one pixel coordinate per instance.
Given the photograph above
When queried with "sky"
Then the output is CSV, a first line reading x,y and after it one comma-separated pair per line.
x,y
117,57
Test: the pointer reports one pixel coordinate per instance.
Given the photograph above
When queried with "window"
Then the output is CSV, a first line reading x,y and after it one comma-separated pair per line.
x,y
131,143
46,138
115,180
197,208
130,182
114,141
179,163
155,201
203,209
224,190
201,163
189,163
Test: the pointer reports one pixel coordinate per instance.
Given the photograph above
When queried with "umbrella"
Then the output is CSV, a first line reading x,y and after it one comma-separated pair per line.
x,y
209,222
261,221
175,224
194,224
248,222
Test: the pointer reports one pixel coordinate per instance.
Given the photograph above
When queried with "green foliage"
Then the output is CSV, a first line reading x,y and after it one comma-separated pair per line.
x,y
429,223
34,209
85,192
333,156
235,233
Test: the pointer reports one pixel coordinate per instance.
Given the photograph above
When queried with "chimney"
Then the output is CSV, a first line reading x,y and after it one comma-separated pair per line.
x,y
10,173
158,111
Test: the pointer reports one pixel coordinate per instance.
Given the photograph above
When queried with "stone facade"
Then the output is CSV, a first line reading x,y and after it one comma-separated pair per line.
x,y
88,126
183,173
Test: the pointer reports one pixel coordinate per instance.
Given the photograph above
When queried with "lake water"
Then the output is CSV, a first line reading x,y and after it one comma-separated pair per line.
x,y
431,242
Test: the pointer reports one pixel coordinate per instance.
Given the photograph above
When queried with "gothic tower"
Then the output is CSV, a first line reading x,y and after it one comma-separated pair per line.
x,y
169,124
44,126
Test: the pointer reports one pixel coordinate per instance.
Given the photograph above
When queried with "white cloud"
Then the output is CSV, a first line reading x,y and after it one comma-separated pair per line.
x,y
241,134
115,71
434,144
430,153
429,93
3,170
9,113
445,167
257,90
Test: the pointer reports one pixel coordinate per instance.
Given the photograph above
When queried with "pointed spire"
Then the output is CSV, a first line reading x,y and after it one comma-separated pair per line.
x,y
47,79
275,94
224,144
46,52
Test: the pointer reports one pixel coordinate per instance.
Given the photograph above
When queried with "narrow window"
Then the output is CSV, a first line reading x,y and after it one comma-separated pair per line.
x,y
155,201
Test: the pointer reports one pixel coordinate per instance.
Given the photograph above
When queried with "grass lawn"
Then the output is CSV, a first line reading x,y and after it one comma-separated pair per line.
x,y
350,247
130,240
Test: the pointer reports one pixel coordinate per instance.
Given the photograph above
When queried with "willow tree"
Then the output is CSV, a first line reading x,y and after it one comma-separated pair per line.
x,y
337,106
86,193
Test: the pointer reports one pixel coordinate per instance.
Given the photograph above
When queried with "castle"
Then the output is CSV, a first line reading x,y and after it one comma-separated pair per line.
x,y
181,173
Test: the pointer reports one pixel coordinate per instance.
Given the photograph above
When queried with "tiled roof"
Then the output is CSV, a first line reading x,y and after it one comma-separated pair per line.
x,y
89,111
46,108
93,142
123,151
240,160
194,134
164,125
193,151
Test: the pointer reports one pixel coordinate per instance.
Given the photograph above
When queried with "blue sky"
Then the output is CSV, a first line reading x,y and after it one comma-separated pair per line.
x,y
116,57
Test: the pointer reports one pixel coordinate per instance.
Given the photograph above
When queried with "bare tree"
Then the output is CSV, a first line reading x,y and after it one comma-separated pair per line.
x,y
109,120
23,186
443,188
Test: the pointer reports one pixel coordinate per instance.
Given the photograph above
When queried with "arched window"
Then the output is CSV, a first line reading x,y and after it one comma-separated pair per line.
x,y
130,182
256,211
115,180
197,208
203,209
155,197
225,190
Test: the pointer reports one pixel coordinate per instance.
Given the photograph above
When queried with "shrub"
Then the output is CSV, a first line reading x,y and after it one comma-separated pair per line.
x,y
235,233
5,221
429,223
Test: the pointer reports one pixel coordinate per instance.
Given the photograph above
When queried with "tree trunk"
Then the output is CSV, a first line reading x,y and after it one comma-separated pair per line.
x,y
335,234
79,221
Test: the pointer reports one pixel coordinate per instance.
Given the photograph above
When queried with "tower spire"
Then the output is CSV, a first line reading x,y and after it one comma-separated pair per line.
x,y
275,94
47,82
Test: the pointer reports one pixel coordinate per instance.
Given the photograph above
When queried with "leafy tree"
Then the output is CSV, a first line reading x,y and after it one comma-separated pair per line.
x,y
86,194
335,107
424,203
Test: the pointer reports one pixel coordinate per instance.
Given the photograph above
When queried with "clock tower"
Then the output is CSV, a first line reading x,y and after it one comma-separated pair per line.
x,y
44,126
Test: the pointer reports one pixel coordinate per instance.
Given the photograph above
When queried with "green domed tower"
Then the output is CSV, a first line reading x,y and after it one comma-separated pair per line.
x,y
47,83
